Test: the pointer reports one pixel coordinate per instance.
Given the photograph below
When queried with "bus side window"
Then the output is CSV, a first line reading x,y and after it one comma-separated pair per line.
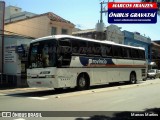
x,y
126,52
64,46
64,42
97,49
133,51
64,52
79,47
141,54
106,50
94,49
135,54
117,51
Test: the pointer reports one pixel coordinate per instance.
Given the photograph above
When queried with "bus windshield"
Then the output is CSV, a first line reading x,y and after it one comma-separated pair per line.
x,y
42,54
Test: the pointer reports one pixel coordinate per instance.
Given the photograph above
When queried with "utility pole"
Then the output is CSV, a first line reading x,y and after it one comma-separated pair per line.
x,y
104,9
100,25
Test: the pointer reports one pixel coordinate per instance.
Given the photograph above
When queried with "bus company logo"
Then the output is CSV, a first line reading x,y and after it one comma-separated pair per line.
x,y
132,12
99,61
86,61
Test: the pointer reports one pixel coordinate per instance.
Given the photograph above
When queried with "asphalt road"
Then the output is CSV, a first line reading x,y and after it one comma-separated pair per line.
x,y
115,99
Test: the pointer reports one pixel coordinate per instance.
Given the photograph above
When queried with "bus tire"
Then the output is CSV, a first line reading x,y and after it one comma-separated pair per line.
x,y
133,79
83,82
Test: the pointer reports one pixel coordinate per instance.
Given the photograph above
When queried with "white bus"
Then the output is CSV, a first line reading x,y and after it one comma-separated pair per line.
x,y
64,61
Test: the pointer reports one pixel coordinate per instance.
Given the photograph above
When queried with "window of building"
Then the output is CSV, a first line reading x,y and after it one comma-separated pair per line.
x,y
54,31
16,9
64,31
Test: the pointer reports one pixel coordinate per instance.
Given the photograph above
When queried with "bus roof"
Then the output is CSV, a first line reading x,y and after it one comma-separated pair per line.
x,y
56,37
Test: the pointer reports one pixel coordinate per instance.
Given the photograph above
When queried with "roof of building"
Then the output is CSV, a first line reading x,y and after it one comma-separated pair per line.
x,y
50,15
13,7
76,29
157,41
17,36
155,44
84,31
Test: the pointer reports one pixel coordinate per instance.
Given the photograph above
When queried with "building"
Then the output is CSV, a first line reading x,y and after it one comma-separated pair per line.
x,y
13,13
157,41
155,45
19,29
2,8
40,25
15,52
115,34
136,39
90,33
110,33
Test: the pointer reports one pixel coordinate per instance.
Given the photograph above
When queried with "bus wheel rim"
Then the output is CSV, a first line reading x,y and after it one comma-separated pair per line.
x,y
133,79
82,82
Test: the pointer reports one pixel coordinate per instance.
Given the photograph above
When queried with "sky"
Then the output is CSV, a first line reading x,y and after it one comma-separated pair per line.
x,y
83,13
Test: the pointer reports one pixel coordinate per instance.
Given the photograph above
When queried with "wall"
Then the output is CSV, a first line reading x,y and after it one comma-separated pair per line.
x,y
37,27
114,34
60,26
12,63
19,16
10,10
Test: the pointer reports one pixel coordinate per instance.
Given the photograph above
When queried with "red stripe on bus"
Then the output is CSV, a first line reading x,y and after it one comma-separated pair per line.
x,y
116,66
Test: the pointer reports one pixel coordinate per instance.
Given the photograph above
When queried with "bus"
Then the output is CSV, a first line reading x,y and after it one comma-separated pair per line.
x,y
64,61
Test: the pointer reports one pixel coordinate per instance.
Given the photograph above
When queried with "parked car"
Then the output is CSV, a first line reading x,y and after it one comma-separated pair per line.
x,y
153,73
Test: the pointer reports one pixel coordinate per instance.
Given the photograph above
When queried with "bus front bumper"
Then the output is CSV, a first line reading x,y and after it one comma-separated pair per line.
x,y
42,83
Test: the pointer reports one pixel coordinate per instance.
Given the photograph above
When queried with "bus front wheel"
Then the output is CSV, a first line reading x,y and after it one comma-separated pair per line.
x,y
133,78
82,82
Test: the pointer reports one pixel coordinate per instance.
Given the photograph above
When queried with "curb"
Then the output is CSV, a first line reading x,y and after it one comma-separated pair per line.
x,y
17,89
102,90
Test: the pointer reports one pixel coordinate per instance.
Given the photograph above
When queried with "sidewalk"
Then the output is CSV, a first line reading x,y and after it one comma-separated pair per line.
x,y
21,89
10,86
12,82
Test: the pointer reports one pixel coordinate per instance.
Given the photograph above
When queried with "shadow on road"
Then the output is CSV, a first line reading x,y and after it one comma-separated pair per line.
x,y
41,93
148,114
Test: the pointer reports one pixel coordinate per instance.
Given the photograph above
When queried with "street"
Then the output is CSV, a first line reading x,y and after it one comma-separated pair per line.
x,y
75,104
